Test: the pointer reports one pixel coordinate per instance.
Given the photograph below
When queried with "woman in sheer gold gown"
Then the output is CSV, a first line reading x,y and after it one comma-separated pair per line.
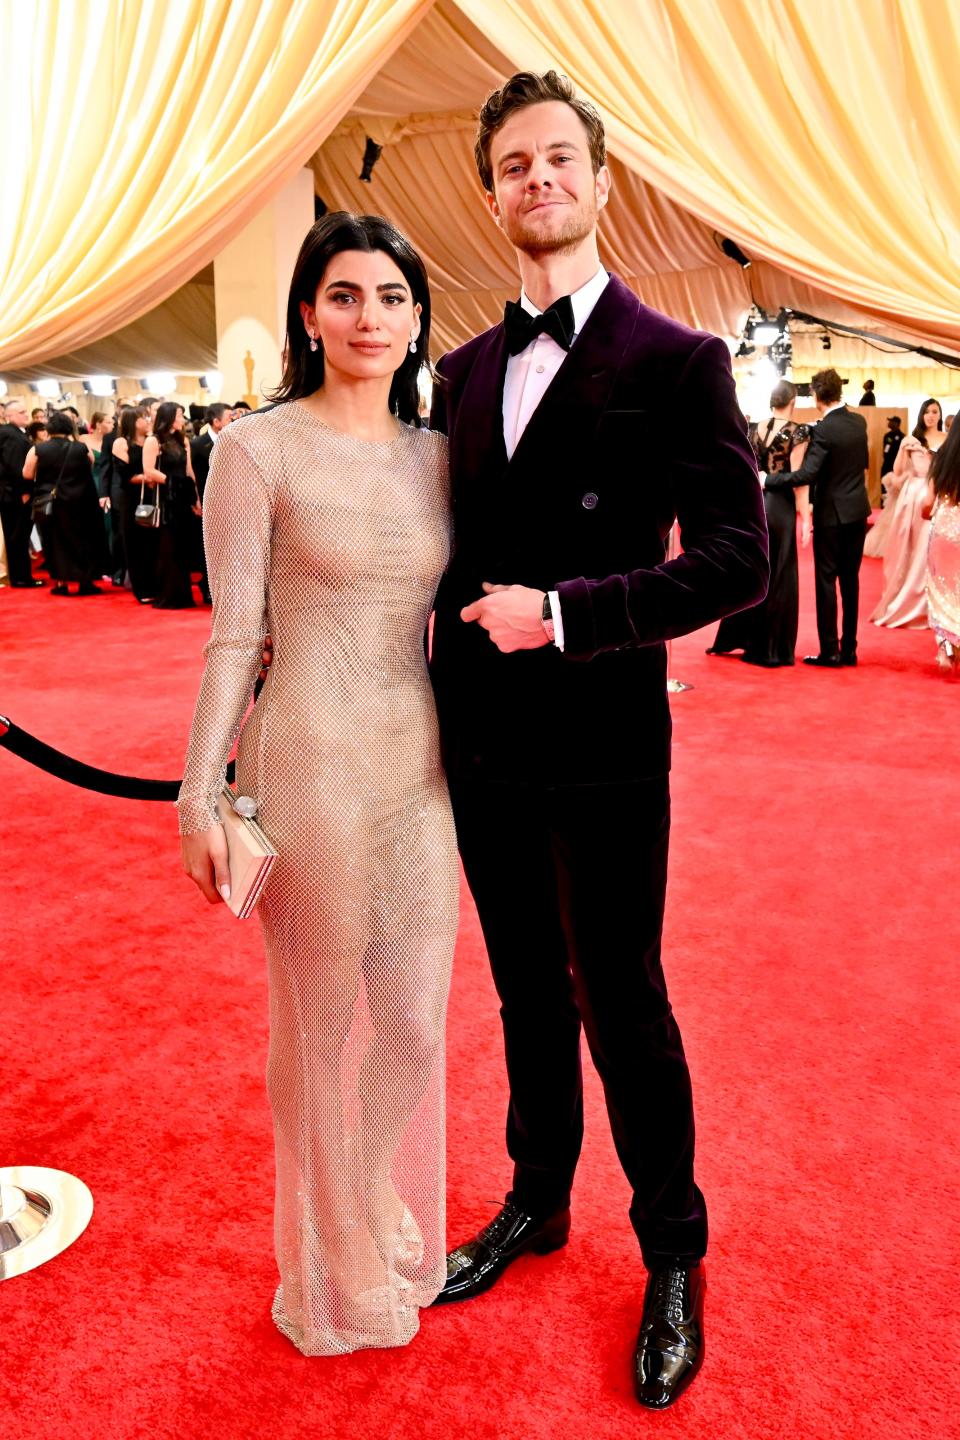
x,y
327,524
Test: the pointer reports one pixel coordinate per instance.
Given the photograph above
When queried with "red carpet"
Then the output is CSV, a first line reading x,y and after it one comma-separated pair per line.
x,y
811,942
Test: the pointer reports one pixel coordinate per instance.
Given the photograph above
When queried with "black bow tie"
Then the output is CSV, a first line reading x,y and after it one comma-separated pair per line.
x,y
521,328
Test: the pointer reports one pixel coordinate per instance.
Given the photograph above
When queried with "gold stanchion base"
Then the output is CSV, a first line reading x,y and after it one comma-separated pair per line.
x,y
42,1212
674,687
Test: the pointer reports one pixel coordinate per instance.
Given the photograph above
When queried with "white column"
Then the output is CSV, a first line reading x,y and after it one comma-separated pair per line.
x,y
251,282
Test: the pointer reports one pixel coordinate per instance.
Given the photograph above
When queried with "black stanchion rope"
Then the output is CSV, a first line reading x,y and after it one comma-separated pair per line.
x,y
87,777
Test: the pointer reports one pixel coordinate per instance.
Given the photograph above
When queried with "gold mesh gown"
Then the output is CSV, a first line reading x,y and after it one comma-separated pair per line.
x,y
335,546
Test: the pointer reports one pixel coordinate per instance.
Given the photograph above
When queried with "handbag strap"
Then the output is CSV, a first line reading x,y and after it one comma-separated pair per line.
x,y
63,466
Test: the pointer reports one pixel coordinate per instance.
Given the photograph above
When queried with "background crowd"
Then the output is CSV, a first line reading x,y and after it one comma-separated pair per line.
x,y
119,499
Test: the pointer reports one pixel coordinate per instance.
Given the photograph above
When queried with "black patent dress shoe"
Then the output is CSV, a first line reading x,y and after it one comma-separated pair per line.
x,y
826,662
850,659
475,1266
670,1344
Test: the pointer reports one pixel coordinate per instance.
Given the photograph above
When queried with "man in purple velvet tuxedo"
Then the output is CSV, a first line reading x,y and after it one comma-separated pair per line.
x,y
579,429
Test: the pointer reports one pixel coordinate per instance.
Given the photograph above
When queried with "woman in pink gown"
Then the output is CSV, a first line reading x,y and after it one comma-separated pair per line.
x,y
903,604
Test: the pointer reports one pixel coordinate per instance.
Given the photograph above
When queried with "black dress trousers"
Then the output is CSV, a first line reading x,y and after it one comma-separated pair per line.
x,y
837,555
569,884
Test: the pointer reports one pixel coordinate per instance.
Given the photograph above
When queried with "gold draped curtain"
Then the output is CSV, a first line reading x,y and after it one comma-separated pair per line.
x,y
820,135
168,123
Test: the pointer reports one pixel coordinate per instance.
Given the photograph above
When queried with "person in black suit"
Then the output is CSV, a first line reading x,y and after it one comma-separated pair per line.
x,y
835,466
201,449
892,440
869,396
549,668
16,515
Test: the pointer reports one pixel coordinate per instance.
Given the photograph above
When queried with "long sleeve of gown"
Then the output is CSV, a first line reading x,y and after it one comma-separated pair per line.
x,y
237,521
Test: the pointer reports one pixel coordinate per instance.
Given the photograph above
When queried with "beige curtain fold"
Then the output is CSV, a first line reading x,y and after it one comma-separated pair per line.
x,y
820,135
194,113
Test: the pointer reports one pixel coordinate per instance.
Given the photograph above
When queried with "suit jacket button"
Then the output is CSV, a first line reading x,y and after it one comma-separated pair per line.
x,y
589,501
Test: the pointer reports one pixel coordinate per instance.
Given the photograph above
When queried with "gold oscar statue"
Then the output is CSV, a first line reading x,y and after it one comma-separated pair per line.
x,y
251,396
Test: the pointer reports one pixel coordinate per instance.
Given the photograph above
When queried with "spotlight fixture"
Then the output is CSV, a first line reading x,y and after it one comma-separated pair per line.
x,y
731,249
371,155
212,381
3,387
49,389
745,350
825,340
766,332
161,382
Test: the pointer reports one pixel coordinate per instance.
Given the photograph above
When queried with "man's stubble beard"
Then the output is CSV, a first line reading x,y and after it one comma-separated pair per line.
x,y
577,228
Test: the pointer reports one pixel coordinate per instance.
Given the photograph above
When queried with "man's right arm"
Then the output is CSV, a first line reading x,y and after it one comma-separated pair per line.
x,y
812,464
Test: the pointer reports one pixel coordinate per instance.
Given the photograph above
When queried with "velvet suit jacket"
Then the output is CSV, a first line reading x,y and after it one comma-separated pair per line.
x,y
834,466
640,426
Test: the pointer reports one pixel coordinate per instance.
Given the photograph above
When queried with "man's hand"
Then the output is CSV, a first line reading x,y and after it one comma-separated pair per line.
x,y
511,616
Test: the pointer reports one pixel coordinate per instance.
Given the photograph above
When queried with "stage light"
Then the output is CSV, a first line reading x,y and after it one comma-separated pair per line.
x,y
212,381
161,382
371,155
49,389
3,387
766,332
745,350
731,249
102,385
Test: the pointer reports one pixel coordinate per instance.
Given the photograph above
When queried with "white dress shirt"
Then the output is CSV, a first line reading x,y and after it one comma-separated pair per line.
x,y
529,375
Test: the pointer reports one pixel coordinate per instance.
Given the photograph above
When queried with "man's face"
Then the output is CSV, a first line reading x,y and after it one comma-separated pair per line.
x,y
16,413
546,197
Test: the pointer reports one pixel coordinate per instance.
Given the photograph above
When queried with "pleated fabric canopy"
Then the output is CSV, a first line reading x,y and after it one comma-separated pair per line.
x,y
819,136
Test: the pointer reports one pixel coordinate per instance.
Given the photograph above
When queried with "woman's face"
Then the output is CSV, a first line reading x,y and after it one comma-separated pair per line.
x,y
931,416
177,420
363,315
143,426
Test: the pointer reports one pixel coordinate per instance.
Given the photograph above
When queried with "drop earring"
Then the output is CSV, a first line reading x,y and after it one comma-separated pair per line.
x,y
313,342
412,347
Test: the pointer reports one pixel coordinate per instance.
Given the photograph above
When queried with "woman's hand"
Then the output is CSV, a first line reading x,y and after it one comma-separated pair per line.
x,y
204,858
806,529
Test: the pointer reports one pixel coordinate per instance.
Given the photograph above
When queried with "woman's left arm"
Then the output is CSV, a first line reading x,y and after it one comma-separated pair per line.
x,y
237,535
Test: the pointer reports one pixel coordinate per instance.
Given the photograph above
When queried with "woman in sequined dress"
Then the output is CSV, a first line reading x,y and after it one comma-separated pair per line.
x,y
943,558
326,523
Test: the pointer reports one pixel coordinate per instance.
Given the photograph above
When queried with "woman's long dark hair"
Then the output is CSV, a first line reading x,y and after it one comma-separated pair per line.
x,y
129,416
920,429
338,231
945,470
163,430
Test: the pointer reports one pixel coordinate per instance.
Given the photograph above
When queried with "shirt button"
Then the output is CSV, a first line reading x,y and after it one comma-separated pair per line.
x,y
540,369
589,501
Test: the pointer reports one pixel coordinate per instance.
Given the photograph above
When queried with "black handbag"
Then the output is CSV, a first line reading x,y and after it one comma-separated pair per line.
x,y
147,513
42,507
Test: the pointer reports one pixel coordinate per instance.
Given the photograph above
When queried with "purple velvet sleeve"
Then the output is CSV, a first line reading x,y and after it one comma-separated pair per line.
x,y
719,504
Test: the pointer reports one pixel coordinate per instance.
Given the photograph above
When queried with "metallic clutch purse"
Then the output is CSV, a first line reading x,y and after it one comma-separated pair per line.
x,y
251,855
